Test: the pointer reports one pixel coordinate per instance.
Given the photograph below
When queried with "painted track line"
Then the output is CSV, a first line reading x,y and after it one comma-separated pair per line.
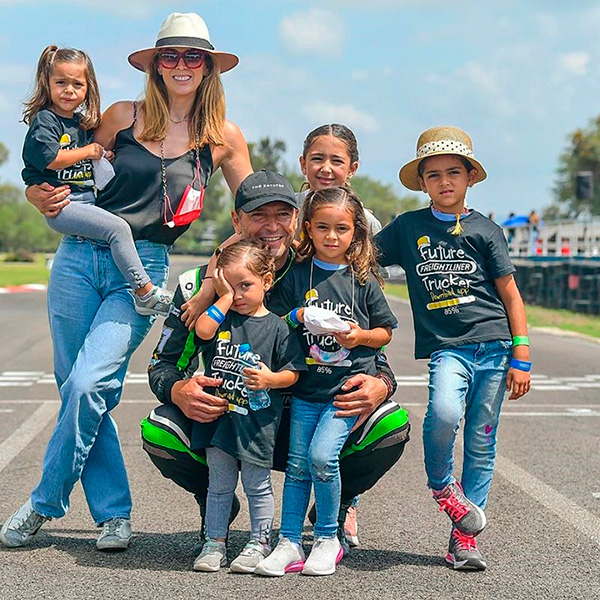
x,y
23,435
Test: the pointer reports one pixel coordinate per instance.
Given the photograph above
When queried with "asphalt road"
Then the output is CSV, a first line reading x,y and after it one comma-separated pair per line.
x,y
543,534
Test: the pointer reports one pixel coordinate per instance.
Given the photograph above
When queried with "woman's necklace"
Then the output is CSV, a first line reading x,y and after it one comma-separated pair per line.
x,y
177,121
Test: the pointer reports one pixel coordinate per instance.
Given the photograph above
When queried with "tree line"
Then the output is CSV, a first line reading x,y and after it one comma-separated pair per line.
x,y
23,229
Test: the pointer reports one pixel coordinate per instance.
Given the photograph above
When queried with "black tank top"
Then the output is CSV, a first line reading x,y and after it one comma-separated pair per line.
x,y
135,193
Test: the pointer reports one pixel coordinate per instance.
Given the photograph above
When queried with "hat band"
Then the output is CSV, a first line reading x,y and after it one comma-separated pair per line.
x,y
447,146
184,41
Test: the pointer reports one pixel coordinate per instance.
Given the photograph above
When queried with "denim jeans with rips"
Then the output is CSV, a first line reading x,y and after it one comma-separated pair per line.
x,y
316,439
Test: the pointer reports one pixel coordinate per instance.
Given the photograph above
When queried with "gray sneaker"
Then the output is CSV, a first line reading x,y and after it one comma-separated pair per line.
x,y
20,527
248,559
212,557
115,535
463,553
466,516
159,303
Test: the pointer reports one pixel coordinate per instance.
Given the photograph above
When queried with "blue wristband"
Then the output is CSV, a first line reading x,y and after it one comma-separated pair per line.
x,y
215,314
521,365
294,317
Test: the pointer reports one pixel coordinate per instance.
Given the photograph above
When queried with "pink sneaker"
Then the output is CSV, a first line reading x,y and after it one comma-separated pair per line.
x,y
466,516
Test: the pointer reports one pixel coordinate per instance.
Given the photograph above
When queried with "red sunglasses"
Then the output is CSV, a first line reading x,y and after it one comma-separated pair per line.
x,y
193,59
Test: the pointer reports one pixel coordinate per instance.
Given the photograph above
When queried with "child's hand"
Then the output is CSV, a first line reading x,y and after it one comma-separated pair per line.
x,y
222,286
109,155
94,151
257,379
350,339
518,383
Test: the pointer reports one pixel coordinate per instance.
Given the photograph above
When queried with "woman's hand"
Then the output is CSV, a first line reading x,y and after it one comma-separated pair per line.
x,y
222,286
49,200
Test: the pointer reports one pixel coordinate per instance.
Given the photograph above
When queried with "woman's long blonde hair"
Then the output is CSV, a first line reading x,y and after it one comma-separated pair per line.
x,y
362,253
207,117
41,98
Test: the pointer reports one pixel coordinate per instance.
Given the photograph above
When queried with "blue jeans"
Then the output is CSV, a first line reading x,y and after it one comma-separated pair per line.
x,y
316,439
469,379
95,330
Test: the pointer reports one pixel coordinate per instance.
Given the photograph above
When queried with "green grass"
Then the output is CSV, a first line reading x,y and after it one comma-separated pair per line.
x,y
396,289
14,273
537,316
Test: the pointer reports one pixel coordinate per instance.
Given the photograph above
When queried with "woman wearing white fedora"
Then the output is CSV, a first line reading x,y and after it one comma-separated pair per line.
x,y
166,148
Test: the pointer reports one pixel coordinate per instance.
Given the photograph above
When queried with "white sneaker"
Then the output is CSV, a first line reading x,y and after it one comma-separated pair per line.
x,y
253,553
288,557
20,527
115,534
325,555
212,557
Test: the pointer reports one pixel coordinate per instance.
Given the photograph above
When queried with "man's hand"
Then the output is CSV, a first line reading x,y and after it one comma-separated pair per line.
x,y
194,402
370,392
48,199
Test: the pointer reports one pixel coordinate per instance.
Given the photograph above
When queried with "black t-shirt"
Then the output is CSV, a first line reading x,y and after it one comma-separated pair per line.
x,y
329,364
450,278
48,133
241,432
135,193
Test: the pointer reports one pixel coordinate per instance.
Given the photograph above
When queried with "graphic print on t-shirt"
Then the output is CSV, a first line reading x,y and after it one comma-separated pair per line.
x,y
227,365
444,272
81,172
325,349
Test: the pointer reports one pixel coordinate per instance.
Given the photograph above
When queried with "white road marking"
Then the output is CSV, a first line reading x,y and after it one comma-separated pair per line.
x,y
27,432
564,508
580,518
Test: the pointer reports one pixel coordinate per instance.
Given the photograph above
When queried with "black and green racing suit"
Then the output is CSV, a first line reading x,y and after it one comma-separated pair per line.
x,y
370,451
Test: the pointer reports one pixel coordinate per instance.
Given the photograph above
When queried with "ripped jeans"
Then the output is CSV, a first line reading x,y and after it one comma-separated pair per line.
x,y
467,381
316,439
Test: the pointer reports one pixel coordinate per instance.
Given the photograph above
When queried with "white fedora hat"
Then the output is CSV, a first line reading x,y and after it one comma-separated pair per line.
x,y
184,30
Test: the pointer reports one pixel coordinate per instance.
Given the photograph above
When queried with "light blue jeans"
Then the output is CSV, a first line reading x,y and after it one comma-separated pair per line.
x,y
316,439
95,330
467,380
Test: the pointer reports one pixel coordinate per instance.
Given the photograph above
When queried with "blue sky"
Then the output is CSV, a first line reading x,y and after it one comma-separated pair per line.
x,y
518,76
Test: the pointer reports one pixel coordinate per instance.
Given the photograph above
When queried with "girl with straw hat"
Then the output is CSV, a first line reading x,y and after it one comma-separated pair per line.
x,y
469,321
166,148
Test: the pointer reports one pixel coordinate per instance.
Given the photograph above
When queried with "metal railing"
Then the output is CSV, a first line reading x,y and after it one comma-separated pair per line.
x,y
561,238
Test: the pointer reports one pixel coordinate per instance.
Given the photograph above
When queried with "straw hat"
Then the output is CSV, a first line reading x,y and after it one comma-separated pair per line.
x,y
440,140
184,30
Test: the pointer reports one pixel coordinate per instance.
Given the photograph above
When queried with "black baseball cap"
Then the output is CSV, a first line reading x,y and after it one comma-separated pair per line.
x,y
263,187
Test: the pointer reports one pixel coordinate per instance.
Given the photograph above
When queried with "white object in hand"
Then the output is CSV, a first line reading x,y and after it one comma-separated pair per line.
x,y
103,172
320,321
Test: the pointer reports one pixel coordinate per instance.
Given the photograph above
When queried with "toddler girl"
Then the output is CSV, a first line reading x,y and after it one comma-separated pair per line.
x,y
237,319
62,113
